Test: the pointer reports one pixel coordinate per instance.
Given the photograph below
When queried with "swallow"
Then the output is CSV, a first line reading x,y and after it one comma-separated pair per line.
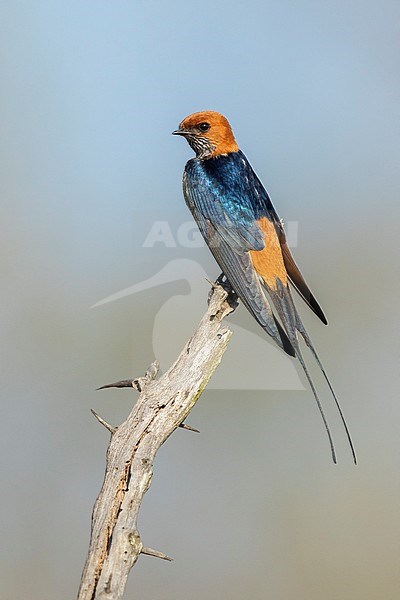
x,y
242,229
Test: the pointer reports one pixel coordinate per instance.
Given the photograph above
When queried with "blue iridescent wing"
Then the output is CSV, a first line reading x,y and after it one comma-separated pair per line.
x,y
217,191
235,262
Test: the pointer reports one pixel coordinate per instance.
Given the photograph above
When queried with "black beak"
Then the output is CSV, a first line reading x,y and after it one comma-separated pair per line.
x,y
180,132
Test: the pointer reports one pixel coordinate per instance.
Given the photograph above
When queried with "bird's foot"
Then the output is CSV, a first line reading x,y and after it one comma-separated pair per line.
x,y
222,281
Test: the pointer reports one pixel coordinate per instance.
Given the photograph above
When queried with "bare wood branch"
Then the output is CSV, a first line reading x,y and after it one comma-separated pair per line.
x,y
162,406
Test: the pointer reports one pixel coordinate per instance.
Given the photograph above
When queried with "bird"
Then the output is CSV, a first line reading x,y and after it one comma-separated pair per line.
x,y
247,238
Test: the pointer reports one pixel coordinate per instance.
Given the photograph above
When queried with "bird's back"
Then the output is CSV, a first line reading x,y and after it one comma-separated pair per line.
x,y
229,179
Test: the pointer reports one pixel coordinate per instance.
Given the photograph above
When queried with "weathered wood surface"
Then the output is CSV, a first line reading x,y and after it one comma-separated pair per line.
x,y
162,406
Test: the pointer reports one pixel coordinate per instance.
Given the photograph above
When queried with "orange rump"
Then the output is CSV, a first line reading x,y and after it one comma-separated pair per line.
x,y
269,262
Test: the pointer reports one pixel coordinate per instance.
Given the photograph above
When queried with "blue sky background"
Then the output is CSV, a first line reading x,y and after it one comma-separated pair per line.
x,y
90,93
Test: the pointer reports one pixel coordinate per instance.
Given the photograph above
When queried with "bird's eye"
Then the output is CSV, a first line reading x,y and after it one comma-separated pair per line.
x,y
204,126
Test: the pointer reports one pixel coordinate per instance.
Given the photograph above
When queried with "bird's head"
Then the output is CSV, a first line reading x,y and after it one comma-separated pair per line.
x,y
208,133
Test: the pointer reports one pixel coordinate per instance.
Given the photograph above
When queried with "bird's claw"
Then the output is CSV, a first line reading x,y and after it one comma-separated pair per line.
x,y
224,283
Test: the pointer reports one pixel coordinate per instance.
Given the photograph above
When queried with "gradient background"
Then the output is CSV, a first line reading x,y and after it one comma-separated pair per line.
x,y
252,507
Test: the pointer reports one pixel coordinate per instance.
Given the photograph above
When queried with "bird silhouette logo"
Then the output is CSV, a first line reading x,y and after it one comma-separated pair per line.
x,y
240,369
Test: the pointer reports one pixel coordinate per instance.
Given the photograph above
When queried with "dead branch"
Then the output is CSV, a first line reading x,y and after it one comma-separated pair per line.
x,y
162,406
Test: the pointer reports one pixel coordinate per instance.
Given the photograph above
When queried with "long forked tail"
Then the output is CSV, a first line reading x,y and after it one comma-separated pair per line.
x,y
321,410
291,320
309,343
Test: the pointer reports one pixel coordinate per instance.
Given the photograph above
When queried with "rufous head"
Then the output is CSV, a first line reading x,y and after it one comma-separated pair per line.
x,y
208,133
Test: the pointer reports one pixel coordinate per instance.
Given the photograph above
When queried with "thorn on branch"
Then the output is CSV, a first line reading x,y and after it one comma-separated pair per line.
x,y
155,553
124,383
188,427
110,428
139,383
